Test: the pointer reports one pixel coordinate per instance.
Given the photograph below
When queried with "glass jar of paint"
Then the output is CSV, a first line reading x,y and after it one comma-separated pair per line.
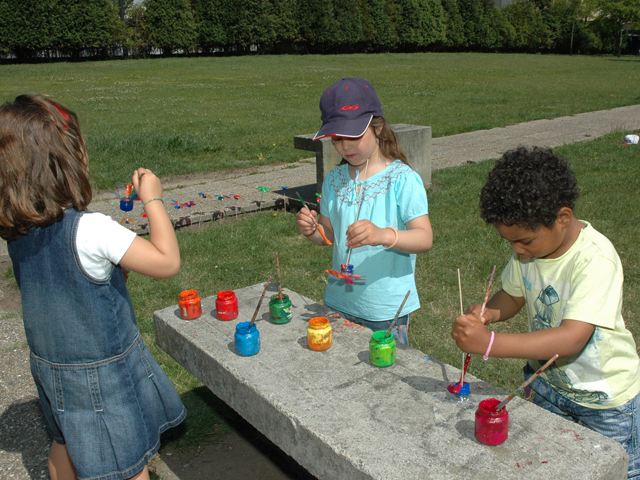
x,y
492,426
126,204
247,339
226,305
189,303
319,334
382,349
280,309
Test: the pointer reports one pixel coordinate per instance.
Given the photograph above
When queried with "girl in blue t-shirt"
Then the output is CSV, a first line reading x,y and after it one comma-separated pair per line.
x,y
374,211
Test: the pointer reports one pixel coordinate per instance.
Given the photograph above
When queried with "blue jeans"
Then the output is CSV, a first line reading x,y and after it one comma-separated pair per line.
x,y
620,423
400,331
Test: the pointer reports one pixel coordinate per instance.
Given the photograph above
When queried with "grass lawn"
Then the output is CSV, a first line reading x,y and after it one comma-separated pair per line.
x,y
179,116
241,253
189,115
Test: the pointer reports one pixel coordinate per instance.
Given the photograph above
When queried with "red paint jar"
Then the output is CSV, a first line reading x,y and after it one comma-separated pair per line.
x,y
226,305
189,304
492,426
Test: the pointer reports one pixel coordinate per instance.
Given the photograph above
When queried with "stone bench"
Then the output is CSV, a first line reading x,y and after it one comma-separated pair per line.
x,y
342,418
415,141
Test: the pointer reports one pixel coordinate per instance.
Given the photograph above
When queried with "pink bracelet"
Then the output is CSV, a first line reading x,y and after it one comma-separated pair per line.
x,y
486,354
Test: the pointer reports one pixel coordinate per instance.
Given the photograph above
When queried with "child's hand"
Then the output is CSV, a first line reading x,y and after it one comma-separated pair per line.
x,y
146,184
470,334
363,232
305,221
487,315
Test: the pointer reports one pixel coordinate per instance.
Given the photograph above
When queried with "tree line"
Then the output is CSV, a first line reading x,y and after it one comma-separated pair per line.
x,y
46,29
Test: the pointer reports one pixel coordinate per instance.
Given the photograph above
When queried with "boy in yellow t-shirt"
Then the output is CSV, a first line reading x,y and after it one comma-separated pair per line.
x,y
569,278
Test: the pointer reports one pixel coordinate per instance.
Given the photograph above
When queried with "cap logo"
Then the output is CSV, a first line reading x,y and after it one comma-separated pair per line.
x,y
350,107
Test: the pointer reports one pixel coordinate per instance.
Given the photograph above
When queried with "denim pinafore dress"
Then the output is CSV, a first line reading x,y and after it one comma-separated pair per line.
x,y
102,393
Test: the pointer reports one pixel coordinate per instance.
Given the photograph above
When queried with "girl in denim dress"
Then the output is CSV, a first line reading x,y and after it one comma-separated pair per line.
x,y
104,397
374,211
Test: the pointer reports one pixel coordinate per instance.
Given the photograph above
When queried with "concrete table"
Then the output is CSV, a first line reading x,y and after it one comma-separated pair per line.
x,y
342,418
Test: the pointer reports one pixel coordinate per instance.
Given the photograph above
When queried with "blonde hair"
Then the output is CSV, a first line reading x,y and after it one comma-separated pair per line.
x,y
43,165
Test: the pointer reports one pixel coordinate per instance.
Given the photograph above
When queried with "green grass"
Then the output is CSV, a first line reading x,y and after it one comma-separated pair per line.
x,y
181,116
241,252
190,115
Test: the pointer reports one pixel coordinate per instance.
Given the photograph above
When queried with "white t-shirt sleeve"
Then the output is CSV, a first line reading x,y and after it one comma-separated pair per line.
x,y
101,243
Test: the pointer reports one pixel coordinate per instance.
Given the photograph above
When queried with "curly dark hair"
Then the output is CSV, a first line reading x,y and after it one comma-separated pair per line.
x,y
528,186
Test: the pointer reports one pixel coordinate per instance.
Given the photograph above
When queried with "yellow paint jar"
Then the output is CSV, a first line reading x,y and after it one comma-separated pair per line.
x,y
319,334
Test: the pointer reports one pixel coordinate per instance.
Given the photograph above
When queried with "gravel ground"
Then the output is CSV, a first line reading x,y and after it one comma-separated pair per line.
x,y
24,438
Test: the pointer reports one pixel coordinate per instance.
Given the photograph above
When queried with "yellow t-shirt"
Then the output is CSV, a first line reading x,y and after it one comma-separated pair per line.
x,y
584,284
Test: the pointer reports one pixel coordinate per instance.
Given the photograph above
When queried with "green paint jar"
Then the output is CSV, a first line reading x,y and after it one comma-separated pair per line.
x,y
382,349
280,309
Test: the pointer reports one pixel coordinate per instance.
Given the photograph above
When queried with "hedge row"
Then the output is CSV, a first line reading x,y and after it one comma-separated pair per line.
x,y
62,28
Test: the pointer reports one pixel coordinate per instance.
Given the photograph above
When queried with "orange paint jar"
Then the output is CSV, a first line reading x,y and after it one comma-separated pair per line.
x,y
226,305
189,304
319,334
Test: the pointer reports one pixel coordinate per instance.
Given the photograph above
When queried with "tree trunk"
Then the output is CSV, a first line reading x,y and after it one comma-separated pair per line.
x,y
619,49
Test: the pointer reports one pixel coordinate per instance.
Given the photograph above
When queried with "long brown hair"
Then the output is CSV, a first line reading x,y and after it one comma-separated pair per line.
x,y
43,165
387,140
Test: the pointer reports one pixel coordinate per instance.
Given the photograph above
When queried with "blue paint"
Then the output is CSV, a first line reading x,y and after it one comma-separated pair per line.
x,y
247,339
126,204
464,391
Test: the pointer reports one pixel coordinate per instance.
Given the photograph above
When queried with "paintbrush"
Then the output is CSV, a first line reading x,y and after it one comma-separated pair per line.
x,y
315,221
278,271
525,384
461,313
398,313
255,314
359,205
465,364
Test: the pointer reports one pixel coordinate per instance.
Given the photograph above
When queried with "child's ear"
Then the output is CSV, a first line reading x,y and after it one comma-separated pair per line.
x,y
565,215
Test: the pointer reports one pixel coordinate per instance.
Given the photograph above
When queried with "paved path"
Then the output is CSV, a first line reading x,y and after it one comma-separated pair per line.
x,y
23,438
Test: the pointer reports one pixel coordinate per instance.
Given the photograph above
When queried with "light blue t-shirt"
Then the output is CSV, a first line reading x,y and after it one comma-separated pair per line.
x,y
392,198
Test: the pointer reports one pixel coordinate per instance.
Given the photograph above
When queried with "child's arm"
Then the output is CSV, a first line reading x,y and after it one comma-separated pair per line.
x,y
159,256
472,336
418,237
307,226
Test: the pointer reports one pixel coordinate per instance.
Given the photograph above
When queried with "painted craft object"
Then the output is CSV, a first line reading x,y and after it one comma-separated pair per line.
x,y
189,303
247,339
492,426
126,205
346,269
456,388
382,349
346,272
280,309
319,334
126,202
226,305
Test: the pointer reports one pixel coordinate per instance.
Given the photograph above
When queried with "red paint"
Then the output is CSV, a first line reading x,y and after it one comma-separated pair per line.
x,y
226,305
189,304
454,388
568,430
492,426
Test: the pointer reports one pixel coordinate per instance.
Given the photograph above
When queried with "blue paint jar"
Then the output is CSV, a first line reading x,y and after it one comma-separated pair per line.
x,y
247,339
126,204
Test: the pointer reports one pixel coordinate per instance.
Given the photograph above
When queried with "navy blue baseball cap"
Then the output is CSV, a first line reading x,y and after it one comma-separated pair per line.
x,y
347,108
